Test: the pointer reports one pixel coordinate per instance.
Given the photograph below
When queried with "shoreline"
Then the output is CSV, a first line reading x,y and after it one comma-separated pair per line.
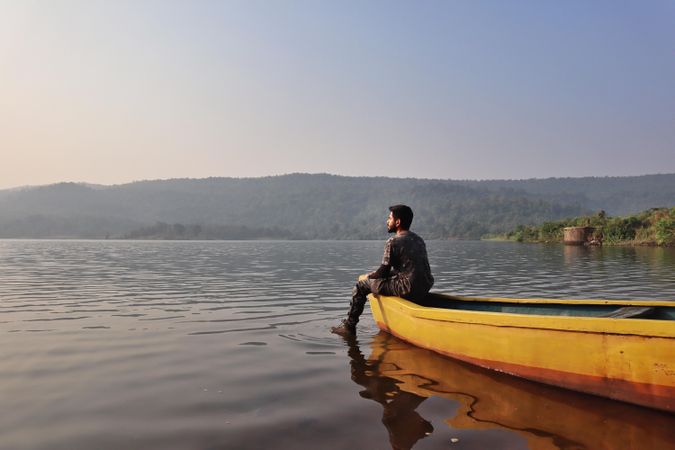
x,y
631,243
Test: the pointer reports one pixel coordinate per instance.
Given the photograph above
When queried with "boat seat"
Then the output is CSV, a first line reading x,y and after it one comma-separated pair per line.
x,y
628,312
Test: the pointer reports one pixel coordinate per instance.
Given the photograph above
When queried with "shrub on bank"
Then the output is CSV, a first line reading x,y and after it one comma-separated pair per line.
x,y
655,226
665,230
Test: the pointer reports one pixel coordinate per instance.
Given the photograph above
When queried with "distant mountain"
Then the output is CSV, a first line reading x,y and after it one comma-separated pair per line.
x,y
303,206
616,195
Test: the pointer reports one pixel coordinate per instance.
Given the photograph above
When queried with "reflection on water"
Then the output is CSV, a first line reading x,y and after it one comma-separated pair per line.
x,y
226,345
404,425
401,376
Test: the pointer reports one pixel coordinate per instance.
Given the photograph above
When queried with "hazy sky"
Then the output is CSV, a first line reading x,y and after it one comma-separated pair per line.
x,y
114,91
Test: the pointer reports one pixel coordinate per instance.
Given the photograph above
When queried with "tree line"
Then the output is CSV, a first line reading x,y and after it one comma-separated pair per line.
x,y
301,206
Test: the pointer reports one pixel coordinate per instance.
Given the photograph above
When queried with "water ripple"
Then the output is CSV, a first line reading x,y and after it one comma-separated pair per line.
x,y
147,338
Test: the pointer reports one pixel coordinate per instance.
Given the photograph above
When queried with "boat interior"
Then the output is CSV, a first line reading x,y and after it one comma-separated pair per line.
x,y
618,311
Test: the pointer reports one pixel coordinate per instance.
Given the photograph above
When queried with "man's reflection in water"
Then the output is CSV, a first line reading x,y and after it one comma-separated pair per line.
x,y
404,424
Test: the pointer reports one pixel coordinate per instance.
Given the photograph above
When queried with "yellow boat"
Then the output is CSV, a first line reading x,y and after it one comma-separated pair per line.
x,y
620,349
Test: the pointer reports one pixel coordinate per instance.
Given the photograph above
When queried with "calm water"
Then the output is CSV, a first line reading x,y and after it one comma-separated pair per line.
x,y
225,345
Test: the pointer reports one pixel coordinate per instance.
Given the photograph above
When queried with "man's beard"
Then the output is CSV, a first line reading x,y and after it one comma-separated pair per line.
x,y
391,230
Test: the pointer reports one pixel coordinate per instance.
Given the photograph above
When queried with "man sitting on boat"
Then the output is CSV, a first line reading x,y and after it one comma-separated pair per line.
x,y
404,271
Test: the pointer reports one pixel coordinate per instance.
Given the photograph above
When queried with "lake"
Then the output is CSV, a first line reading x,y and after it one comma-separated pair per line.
x,y
226,345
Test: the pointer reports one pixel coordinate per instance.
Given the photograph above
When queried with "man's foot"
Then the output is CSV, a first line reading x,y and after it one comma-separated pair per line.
x,y
344,329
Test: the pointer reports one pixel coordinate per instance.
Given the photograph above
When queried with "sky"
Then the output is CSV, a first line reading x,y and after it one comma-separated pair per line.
x,y
115,91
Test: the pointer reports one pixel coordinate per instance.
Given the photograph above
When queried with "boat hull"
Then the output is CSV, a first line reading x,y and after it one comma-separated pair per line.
x,y
632,360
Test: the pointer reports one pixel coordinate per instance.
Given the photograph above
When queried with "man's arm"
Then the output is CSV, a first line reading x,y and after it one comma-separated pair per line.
x,y
385,268
381,272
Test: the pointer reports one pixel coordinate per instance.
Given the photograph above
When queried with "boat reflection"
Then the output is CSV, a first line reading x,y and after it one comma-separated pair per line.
x,y
400,377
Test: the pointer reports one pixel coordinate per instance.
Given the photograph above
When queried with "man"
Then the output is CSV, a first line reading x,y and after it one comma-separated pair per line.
x,y
404,271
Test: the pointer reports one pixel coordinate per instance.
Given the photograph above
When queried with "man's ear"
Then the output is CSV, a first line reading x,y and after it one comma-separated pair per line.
x,y
397,222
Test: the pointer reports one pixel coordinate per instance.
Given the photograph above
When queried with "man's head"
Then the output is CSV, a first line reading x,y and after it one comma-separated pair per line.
x,y
400,218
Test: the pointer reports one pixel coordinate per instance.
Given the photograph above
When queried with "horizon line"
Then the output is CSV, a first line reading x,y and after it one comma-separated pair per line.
x,y
148,180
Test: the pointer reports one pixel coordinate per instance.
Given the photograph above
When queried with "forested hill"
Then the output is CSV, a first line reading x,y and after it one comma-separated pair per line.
x,y
615,195
297,206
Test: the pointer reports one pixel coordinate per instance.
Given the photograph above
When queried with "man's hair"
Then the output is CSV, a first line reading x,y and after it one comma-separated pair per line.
x,y
404,213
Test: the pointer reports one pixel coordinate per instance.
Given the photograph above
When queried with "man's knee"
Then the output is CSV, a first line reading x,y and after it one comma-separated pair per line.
x,y
362,287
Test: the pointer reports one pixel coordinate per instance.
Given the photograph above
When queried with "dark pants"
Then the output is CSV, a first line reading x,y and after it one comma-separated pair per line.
x,y
399,287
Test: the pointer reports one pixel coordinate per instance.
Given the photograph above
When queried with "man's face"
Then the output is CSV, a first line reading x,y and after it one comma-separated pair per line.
x,y
391,223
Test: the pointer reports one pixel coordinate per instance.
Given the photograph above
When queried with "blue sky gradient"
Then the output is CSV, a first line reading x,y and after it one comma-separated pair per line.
x,y
115,91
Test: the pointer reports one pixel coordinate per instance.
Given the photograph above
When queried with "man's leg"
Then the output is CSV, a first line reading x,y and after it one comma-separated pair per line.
x,y
398,287
359,296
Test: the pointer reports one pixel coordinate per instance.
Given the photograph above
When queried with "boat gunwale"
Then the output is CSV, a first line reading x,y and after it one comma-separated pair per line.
x,y
600,325
557,301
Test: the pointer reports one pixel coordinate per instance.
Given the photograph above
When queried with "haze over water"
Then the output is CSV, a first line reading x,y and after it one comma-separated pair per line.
x,y
226,345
